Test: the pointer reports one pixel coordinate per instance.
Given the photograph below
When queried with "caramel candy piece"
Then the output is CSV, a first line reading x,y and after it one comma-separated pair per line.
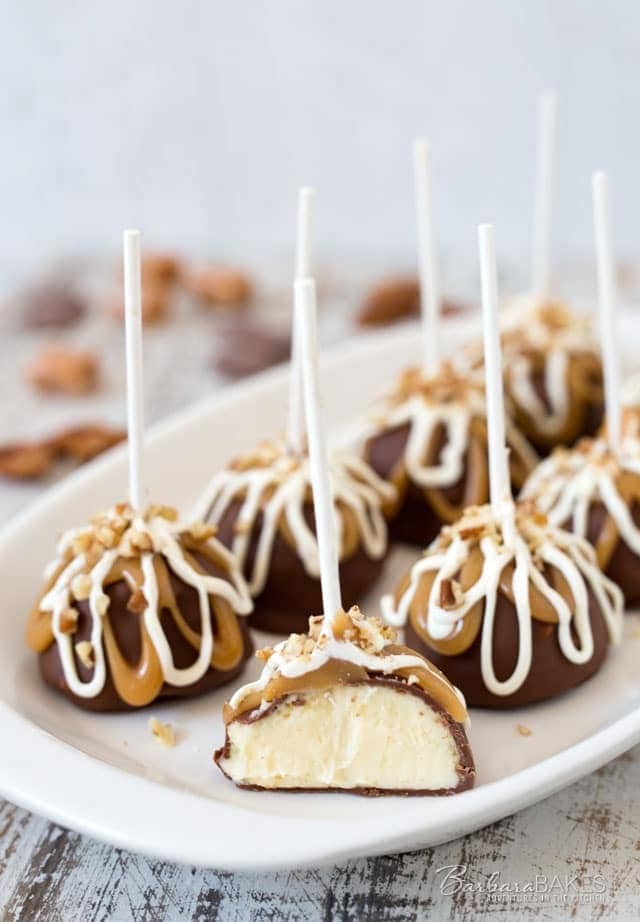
x,y
220,286
64,370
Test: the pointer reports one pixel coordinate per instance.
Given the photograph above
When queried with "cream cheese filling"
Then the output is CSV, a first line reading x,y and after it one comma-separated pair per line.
x,y
369,736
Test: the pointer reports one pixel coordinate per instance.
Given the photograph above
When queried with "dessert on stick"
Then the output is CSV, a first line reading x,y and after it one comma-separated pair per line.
x,y
552,368
343,707
512,608
594,488
261,505
428,434
138,605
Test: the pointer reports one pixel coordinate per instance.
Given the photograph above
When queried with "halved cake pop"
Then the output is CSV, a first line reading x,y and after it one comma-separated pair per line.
x,y
138,605
514,609
343,708
428,435
594,488
261,505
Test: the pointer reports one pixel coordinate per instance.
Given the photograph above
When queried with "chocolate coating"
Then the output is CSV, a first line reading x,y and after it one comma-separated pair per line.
x,y
415,521
466,770
551,672
585,418
126,627
623,567
290,595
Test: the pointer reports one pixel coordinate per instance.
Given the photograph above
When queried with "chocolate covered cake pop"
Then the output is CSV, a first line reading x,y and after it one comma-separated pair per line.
x,y
595,492
429,438
140,607
345,708
262,508
552,372
594,489
513,609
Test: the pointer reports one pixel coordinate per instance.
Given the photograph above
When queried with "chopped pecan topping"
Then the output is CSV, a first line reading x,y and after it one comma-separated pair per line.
x,y
137,603
68,621
64,370
162,733
25,461
85,653
220,286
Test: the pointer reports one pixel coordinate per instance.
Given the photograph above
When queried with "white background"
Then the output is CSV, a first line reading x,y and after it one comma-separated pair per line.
x,y
197,121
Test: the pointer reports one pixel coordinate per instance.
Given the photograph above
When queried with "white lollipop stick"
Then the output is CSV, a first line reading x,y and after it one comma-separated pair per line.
x,y
498,469
326,531
133,335
427,268
606,305
541,261
295,416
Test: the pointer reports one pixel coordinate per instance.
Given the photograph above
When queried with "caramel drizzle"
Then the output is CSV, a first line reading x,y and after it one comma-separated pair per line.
x,y
276,486
338,660
510,552
170,550
551,341
447,410
568,484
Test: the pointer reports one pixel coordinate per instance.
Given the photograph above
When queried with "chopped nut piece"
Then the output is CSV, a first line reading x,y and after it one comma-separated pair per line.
x,y
162,732
200,531
81,586
264,654
170,513
220,286
82,443
140,540
64,370
394,299
155,304
68,620
106,536
524,731
85,653
25,461
160,269
137,603
82,542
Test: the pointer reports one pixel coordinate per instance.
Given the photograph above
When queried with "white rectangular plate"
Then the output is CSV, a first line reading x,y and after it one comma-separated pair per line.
x,y
106,776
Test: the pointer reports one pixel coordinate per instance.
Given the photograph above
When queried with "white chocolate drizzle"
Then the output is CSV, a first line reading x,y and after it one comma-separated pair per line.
x,y
520,536
551,331
300,654
276,485
446,403
160,536
569,482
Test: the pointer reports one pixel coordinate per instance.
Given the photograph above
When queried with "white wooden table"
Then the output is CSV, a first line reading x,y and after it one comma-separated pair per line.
x,y
577,853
